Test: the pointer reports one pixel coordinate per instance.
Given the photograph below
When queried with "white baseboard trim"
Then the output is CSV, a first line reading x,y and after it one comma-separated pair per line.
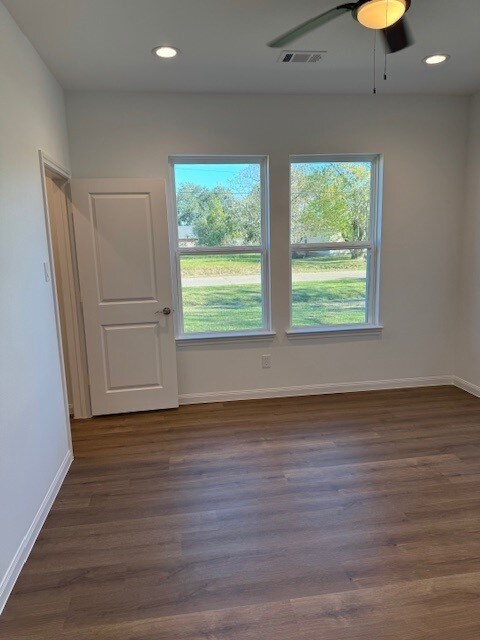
x,y
314,389
466,386
8,581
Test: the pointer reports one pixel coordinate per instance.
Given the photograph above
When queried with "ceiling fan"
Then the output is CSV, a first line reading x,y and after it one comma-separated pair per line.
x,y
384,15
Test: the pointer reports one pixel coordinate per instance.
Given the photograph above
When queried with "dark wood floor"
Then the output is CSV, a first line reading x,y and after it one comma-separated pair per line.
x,y
345,517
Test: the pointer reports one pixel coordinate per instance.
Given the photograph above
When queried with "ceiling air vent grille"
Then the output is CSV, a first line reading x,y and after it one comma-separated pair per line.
x,y
301,56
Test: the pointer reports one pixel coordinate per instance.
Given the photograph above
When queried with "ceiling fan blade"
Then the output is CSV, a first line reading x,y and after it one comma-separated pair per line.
x,y
311,24
398,36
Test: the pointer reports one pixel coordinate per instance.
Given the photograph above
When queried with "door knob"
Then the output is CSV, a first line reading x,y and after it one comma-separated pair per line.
x,y
166,311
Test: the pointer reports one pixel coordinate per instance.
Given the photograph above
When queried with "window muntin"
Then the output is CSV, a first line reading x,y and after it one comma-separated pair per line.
x,y
334,241
221,250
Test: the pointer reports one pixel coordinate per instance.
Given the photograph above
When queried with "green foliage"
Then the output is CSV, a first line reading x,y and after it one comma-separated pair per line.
x,y
330,200
249,217
192,202
216,226
211,213
223,216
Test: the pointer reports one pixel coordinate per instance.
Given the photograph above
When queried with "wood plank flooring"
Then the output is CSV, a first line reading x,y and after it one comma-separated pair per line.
x,y
343,517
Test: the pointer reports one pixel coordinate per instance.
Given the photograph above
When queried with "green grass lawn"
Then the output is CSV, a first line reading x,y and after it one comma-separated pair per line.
x,y
238,307
328,303
249,264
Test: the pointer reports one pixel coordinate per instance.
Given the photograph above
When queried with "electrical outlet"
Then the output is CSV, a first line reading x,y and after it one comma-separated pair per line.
x,y
266,361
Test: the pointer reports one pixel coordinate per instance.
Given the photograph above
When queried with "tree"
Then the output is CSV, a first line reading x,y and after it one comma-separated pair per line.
x,y
192,202
302,192
198,206
223,215
249,218
247,189
215,227
332,200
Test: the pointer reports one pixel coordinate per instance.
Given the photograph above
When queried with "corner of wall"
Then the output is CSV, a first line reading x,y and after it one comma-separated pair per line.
x,y
11,575
466,353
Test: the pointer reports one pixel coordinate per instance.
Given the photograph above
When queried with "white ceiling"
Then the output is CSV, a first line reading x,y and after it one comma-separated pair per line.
x,y
106,45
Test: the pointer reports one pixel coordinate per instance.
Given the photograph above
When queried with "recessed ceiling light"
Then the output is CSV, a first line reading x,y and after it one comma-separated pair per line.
x,y
165,51
436,58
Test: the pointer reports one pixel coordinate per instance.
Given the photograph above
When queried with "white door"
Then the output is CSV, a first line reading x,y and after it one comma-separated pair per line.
x,y
123,261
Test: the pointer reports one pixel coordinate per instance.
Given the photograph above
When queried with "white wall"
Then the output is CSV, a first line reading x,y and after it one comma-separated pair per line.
x,y
33,430
468,344
423,139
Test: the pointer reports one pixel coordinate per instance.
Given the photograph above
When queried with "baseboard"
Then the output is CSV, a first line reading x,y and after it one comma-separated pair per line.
x,y
315,389
8,581
466,386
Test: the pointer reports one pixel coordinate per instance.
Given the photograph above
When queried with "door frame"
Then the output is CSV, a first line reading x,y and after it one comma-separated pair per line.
x,y
79,371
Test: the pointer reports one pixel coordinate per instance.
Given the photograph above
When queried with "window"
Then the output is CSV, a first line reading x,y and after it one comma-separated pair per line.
x,y
334,236
220,245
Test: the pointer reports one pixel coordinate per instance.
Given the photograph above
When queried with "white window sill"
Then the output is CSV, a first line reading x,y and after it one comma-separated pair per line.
x,y
214,338
347,330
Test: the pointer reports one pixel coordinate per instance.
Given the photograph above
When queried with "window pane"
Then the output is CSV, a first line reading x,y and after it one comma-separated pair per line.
x,y
218,204
329,288
221,292
330,201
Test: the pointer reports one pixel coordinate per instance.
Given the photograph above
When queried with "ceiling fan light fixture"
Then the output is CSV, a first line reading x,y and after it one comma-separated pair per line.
x,y
380,14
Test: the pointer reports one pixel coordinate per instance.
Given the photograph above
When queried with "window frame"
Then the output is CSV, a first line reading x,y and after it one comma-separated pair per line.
x,y
176,252
373,246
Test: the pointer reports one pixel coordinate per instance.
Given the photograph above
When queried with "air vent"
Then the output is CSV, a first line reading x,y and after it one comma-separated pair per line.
x,y
301,56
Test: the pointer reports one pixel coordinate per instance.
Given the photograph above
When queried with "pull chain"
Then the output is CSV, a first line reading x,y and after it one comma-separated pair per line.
x,y
374,62
385,63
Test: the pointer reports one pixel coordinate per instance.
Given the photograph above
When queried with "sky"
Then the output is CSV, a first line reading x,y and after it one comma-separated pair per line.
x,y
206,175
213,175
